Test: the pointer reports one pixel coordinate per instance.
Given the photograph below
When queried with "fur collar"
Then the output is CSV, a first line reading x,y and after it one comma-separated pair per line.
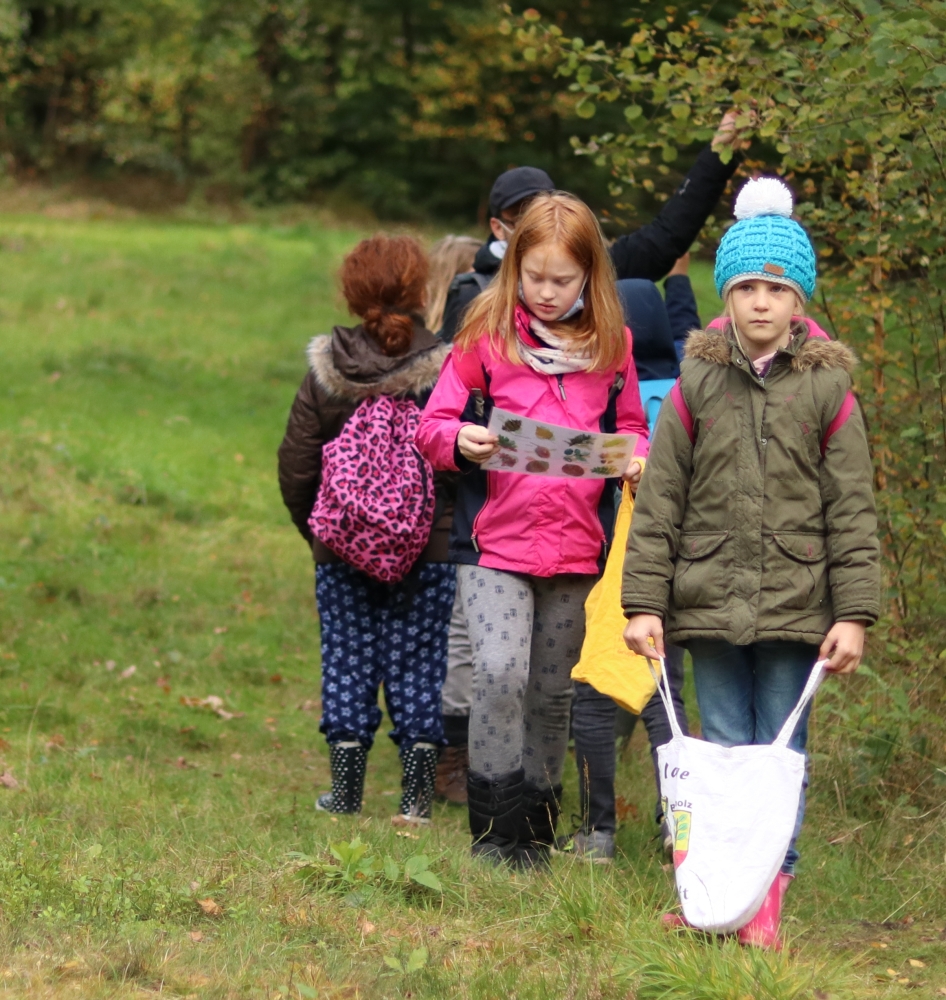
x,y
418,373
716,347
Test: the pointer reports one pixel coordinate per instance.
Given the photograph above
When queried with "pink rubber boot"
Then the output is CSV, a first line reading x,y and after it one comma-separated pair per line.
x,y
762,929
672,921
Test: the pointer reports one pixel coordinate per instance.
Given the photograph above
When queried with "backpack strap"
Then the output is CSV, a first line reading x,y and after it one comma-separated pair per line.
x,y
473,375
609,419
470,278
840,419
683,411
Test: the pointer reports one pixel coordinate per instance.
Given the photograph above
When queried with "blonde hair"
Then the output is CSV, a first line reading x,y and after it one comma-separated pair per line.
x,y
448,257
598,330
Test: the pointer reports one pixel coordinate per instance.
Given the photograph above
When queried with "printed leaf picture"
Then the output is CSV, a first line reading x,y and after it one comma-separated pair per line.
x,y
527,447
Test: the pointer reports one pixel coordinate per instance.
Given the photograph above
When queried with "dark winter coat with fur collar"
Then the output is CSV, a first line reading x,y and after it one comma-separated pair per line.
x,y
344,369
755,518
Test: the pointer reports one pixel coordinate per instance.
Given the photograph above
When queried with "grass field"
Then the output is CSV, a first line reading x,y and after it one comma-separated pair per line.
x,y
153,845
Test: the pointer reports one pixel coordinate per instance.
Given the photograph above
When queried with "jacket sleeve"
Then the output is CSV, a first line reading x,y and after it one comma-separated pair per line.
x,y
441,421
651,251
681,309
630,413
658,515
300,458
850,514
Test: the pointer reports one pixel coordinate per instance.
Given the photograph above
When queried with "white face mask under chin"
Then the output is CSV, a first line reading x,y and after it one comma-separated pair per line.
x,y
498,248
575,308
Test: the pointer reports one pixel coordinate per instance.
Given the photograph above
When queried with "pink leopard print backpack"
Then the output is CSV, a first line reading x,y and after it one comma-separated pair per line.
x,y
375,507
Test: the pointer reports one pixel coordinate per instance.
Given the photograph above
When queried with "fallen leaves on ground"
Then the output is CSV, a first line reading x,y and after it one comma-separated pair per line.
x,y
196,936
210,907
8,781
917,964
212,702
128,672
56,742
624,809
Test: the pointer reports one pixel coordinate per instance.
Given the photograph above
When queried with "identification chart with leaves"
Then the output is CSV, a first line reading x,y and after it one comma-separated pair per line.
x,y
542,449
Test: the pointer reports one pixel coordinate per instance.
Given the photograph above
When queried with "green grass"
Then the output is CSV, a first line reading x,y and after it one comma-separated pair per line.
x,y
148,368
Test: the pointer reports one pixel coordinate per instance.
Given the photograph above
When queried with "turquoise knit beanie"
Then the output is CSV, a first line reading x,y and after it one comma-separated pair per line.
x,y
766,243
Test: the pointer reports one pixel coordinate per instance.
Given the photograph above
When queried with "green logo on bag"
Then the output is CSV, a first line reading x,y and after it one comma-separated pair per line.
x,y
681,839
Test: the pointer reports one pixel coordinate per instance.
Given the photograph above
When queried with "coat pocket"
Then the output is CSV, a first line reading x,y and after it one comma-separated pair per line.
x,y
698,580
796,577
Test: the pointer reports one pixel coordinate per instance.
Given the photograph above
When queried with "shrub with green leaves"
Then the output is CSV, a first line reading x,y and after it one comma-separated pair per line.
x,y
847,100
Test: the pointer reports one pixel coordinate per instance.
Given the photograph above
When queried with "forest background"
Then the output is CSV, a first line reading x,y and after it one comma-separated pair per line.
x,y
400,114
410,108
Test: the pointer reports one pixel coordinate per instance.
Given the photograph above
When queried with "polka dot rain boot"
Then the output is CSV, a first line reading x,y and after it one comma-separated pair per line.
x,y
417,784
348,762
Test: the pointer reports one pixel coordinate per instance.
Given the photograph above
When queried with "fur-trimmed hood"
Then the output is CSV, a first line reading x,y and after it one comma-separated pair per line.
x,y
347,364
808,350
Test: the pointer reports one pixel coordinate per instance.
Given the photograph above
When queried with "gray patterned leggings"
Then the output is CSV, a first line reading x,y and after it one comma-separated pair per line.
x,y
526,633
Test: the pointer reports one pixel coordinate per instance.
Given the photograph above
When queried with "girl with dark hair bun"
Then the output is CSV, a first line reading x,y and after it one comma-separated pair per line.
x,y
372,632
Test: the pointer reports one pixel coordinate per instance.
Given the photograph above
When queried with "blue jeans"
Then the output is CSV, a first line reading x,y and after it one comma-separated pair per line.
x,y
746,693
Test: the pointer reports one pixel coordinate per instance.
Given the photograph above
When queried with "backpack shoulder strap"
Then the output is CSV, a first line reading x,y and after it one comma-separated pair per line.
x,y
470,278
609,419
474,376
683,411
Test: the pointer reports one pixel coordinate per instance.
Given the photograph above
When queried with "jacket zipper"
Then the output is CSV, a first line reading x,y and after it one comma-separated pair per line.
x,y
479,514
561,386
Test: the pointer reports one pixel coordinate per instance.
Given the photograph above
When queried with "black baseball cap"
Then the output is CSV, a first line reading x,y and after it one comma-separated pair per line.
x,y
514,185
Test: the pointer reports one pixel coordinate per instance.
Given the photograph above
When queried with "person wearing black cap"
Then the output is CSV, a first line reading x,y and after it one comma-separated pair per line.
x,y
649,252
510,193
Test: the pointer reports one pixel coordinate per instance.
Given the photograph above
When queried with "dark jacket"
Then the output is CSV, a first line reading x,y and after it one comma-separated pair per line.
x,y
755,517
649,252
681,311
648,317
465,288
344,369
652,250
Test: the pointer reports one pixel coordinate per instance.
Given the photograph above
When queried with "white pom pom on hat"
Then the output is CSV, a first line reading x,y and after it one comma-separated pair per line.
x,y
764,196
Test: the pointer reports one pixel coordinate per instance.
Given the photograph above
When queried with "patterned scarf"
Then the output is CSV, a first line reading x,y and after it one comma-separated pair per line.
x,y
544,351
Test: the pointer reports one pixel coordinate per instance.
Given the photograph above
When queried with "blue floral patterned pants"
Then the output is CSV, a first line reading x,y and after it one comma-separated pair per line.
x,y
376,633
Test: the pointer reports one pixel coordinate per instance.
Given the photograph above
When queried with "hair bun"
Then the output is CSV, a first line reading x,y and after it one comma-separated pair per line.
x,y
372,317
393,330
764,196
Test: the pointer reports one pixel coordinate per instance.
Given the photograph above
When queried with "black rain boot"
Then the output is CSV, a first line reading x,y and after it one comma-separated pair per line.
x,y
348,762
540,811
419,763
495,806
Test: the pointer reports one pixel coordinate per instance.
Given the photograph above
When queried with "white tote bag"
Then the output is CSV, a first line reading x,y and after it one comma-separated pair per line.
x,y
732,812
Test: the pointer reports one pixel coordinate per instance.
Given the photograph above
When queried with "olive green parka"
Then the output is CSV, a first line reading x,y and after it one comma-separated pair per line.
x,y
755,517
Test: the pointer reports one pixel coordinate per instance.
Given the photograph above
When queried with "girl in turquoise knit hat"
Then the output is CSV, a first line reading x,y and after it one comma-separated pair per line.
x,y
754,540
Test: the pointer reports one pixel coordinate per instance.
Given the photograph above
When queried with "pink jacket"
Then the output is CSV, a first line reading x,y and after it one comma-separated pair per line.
x,y
536,525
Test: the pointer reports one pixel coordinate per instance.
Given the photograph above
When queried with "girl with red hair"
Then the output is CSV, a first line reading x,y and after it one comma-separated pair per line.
x,y
374,632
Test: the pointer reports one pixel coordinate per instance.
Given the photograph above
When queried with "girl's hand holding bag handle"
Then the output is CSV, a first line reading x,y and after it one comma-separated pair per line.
x,y
732,813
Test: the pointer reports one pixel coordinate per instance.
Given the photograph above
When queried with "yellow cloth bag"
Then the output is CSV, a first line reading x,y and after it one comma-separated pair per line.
x,y
606,663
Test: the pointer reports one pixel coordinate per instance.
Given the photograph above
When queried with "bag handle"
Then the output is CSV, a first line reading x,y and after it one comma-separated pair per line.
x,y
663,688
791,723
